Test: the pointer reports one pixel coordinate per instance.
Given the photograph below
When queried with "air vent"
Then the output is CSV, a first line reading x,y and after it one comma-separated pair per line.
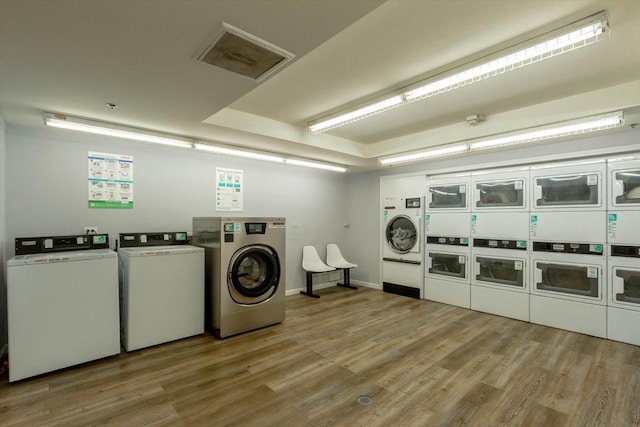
x,y
242,53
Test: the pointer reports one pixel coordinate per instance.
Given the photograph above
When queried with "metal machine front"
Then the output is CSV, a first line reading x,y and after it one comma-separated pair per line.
x,y
253,275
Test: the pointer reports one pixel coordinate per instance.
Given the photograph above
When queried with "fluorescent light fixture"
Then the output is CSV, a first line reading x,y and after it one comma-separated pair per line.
x,y
358,114
315,165
562,40
65,122
239,153
426,154
109,129
557,130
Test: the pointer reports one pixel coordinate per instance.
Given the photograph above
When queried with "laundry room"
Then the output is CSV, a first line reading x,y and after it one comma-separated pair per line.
x,y
190,234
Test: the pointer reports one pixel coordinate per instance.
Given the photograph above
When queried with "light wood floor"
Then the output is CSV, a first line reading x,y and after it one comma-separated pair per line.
x,y
422,363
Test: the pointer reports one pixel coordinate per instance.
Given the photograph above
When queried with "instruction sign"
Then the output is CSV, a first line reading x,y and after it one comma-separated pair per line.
x,y
110,181
229,190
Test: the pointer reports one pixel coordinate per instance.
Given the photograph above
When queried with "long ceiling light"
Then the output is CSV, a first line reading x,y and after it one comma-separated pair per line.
x,y
572,127
316,165
81,125
117,131
562,40
239,153
556,130
423,155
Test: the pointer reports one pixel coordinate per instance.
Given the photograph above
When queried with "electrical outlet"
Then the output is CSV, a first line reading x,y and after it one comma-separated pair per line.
x,y
91,229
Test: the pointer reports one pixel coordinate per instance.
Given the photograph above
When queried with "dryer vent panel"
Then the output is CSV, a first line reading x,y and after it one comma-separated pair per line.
x,y
242,53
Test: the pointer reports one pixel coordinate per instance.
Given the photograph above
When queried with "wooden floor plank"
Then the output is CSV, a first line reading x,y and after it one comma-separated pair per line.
x,y
421,363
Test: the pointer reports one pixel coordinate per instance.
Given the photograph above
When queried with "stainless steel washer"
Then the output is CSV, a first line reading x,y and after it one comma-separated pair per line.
x,y
244,272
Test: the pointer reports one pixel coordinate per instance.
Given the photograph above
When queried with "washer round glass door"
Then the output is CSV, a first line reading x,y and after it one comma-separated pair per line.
x,y
254,274
401,233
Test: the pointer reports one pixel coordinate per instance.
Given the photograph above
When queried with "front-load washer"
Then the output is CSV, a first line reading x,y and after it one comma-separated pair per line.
x,y
447,270
499,281
244,273
402,263
62,303
161,288
623,207
623,311
568,287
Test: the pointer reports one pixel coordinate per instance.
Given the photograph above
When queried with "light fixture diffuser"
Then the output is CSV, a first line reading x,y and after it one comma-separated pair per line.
x,y
239,153
315,165
562,40
98,128
572,127
422,155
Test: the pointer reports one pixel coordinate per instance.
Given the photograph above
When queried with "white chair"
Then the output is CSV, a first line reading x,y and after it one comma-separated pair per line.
x,y
335,259
311,263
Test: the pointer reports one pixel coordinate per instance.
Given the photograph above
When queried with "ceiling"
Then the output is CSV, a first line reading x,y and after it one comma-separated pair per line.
x,y
74,56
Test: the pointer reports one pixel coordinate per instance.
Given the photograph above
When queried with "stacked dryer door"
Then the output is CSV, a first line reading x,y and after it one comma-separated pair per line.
x,y
447,231
244,272
568,264
500,232
402,248
623,234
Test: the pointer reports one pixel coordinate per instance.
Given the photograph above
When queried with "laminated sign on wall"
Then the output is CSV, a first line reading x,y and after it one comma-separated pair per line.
x,y
110,181
228,190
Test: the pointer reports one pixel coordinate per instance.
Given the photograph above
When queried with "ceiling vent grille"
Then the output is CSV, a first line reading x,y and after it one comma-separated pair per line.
x,y
242,53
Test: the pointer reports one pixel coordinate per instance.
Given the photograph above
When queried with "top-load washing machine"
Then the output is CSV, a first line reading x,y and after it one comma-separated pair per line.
x,y
623,207
568,234
499,250
161,288
245,272
447,231
62,303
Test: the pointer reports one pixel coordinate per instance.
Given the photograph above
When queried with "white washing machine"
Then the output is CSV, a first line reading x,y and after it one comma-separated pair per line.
x,y
499,282
623,311
245,272
62,303
402,263
623,206
447,271
568,287
161,288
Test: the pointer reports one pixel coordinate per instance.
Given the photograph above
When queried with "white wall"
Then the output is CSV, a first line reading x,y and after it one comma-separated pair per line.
x,y
3,257
47,192
364,189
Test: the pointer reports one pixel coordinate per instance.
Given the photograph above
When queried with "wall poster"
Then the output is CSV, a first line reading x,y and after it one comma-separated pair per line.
x,y
229,190
110,181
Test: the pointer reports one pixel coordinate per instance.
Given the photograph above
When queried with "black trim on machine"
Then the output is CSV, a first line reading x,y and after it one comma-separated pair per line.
x,y
405,291
569,248
41,245
403,261
625,251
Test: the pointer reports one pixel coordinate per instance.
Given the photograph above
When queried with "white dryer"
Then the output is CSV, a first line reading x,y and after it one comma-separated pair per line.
x,y
568,287
623,208
161,288
62,303
245,272
623,311
568,202
447,206
447,270
499,282
402,264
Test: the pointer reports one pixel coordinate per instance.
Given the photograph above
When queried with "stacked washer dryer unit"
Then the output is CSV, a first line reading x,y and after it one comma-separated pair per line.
x,y
244,272
623,229
402,216
161,288
447,230
568,234
500,233
62,303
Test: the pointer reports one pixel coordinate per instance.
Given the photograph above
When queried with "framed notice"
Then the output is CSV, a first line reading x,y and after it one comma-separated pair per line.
x,y
110,181
229,190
